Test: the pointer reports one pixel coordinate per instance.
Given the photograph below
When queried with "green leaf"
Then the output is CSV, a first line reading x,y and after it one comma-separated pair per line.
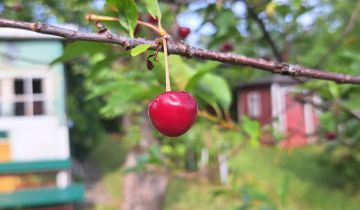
x,y
209,99
180,71
217,86
251,128
283,189
118,86
139,49
81,48
200,72
153,8
297,3
334,89
127,13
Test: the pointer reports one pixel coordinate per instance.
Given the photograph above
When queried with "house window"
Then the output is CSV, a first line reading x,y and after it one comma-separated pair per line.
x,y
29,97
254,104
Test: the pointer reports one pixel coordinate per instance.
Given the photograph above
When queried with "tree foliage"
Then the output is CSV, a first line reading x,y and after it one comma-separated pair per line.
x,y
302,31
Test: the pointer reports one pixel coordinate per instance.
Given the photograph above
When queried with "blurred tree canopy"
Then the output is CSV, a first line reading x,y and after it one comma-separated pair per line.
x,y
314,33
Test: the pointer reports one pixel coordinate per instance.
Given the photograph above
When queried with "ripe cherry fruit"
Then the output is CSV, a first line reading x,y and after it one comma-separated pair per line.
x,y
330,136
172,113
226,47
183,32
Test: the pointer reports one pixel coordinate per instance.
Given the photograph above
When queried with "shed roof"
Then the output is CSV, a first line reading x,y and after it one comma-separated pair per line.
x,y
270,80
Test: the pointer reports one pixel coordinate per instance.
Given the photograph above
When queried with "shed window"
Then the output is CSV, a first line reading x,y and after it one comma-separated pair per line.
x,y
254,104
29,96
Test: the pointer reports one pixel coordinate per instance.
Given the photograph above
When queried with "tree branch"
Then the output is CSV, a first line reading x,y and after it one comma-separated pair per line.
x,y
184,50
265,33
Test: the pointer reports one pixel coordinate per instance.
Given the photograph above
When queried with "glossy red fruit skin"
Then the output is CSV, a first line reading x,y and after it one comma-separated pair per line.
x,y
183,32
173,113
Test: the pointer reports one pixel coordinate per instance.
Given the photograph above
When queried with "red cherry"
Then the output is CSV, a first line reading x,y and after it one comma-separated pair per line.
x,y
183,32
330,135
152,20
173,113
226,47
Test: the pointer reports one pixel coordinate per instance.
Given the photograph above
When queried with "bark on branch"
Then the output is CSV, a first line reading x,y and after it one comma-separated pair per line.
x,y
185,50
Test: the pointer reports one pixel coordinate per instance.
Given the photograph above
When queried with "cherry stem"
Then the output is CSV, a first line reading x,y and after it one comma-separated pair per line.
x,y
167,71
159,30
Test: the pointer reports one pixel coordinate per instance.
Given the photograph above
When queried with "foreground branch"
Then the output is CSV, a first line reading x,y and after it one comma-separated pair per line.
x,y
184,50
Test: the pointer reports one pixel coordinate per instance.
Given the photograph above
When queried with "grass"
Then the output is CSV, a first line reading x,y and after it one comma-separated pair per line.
x,y
288,180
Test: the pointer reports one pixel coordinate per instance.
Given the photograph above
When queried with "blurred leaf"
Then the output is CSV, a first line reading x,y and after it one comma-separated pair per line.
x,y
180,71
200,72
297,3
252,128
128,15
327,121
334,89
167,149
154,155
103,65
352,55
218,87
219,192
153,8
81,48
139,49
283,9
209,99
180,149
123,95
283,189
114,86
225,20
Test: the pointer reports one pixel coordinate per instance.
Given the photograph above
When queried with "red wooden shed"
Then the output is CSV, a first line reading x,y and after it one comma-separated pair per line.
x,y
271,101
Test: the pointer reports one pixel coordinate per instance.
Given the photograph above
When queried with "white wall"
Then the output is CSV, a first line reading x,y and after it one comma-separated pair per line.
x,y
36,138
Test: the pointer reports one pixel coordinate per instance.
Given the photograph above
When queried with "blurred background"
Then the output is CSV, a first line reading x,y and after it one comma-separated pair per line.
x,y
74,131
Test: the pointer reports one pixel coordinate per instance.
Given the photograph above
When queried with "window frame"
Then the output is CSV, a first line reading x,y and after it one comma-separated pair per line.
x,y
8,98
254,104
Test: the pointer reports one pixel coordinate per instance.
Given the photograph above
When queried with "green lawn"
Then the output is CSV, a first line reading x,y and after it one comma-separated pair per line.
x,y
291,180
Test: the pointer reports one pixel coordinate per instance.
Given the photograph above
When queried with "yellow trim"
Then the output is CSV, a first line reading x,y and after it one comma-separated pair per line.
x,y
5,153
8,183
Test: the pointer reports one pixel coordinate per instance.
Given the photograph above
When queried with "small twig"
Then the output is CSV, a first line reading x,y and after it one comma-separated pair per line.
x,y
227,124
159,30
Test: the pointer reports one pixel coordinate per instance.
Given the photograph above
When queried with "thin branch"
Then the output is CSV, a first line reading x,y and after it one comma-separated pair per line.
x,y
349,27
184,50
92,17
265,33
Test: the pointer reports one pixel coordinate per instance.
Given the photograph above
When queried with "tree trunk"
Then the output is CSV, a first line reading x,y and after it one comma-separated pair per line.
x,y
144,190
